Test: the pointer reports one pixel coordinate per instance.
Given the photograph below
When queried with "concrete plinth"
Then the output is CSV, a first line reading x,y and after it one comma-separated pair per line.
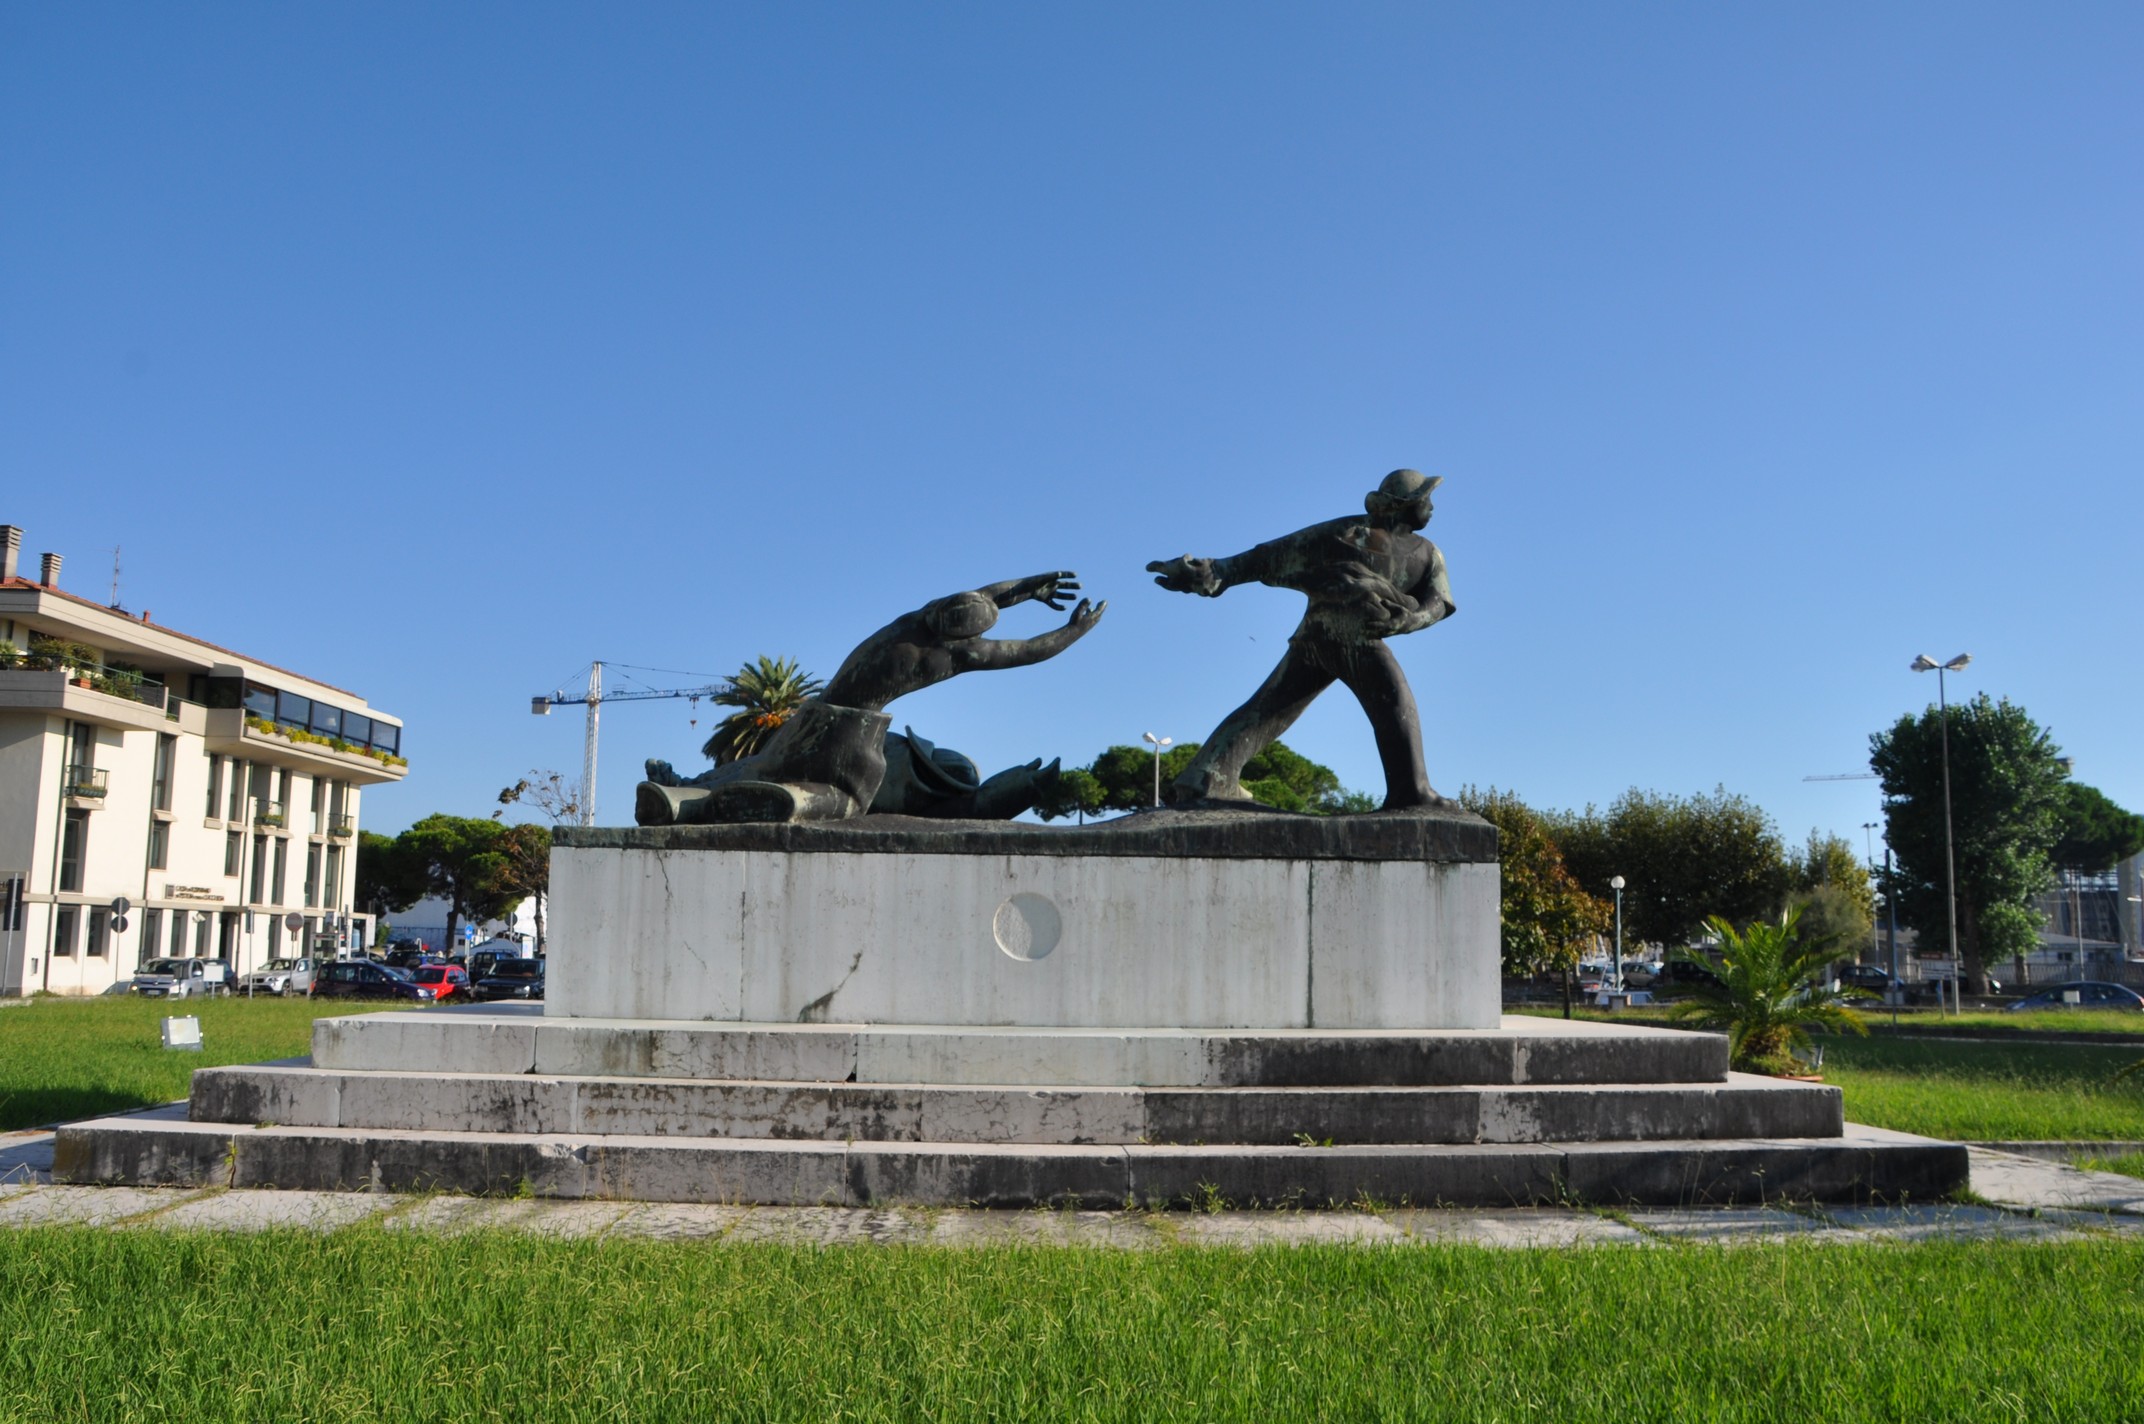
x,y
1174,919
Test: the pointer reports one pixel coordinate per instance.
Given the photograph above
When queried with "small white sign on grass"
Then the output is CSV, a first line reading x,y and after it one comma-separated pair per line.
x,y
183,1033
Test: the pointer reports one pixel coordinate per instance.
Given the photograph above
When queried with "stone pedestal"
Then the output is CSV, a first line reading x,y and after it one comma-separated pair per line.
x,y
1164,920
1271,1009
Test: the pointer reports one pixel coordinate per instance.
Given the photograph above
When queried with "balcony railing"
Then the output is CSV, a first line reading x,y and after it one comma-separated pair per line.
x,y
270,813
342,827
86,781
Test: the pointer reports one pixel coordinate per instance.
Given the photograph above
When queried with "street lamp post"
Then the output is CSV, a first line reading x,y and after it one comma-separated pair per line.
x,y
1868,836
1615,883
1925,663
1159,743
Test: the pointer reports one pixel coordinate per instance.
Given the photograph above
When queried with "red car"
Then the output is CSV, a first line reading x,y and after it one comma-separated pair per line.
x,y
444,979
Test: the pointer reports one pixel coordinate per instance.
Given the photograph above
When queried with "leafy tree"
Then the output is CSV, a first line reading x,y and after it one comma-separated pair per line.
x,y
2095,833
465,862
1683,858
385,879
1831,890
766,692
1772,984
1279,776
2007,799
1548,921
527,849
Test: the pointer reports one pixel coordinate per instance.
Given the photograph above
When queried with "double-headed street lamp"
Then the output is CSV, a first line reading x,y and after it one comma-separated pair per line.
x,y
1159,743
1925,663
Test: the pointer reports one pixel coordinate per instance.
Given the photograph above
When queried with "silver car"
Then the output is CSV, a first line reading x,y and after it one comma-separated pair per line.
x,y
281,976
182,978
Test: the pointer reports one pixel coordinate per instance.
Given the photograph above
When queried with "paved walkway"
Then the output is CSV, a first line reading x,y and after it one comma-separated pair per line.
x,y
2025,1199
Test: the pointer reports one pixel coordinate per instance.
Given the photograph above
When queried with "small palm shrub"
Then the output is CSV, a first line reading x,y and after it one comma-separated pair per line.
x,y
1773,986
766,692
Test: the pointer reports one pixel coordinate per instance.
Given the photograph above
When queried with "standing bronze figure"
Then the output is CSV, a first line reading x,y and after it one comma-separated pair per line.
x,y
1367,581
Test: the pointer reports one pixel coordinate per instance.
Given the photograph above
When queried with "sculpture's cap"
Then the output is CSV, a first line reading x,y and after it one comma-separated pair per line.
x,y
1408,485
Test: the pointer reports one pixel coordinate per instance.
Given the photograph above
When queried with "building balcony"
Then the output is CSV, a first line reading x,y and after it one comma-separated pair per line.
x,y
233,732
271,814
85,783
342,827
81,697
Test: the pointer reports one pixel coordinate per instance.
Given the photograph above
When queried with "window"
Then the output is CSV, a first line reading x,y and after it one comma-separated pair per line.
x,y
258,884
387,736
292,710
100,931
200,935
74,847
152,934
260,702
338,799
282,790
327,721
356,728
64,918
227,936
320,794
282,863
333,896
234,850
312,876
275,937
178,934
160,845
237,803
215,785
167,754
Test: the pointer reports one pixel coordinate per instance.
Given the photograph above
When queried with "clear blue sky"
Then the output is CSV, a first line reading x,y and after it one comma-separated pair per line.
x,y
440,349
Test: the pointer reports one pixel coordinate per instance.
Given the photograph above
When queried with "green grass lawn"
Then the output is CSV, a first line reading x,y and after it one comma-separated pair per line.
x,y
366,1324
2129,1164
1988,1091
62,1059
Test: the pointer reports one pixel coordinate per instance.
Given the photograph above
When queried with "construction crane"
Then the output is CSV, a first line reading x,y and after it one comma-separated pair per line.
x,y
593,699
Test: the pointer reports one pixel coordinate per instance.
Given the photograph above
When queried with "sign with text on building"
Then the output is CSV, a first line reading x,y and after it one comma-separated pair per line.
x,y
191,892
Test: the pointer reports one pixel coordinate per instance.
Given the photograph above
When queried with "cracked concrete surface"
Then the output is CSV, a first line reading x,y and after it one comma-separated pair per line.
x,y
2018,1198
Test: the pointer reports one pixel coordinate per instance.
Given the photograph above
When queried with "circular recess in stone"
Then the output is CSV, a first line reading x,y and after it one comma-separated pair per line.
x,y
1027,926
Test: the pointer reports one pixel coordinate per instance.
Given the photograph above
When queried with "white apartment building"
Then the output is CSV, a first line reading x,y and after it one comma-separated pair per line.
x,y
216,794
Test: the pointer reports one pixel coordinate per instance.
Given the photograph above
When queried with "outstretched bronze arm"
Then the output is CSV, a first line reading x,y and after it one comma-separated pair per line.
x,y
988,654
1052,589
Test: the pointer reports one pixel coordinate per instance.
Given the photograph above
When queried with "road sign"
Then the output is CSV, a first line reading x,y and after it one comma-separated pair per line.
x,y
293,921
119,924
120,906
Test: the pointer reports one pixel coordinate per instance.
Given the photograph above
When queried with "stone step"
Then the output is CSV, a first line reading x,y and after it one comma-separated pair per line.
x,y
1524,1051
1863,1164
291,1096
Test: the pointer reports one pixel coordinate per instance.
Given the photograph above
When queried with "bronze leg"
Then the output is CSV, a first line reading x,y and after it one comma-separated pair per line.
x,y
1373,674
1251,728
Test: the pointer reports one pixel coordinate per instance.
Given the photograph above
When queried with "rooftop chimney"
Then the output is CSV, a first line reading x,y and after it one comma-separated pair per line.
x,y
48,570
10,549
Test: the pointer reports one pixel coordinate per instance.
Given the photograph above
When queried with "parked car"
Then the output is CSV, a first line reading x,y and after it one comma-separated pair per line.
x,y
445,980
1641,973
182,978
1682,974
404,954
363,979
1871,977
481,961
2082,994
281,976
511,979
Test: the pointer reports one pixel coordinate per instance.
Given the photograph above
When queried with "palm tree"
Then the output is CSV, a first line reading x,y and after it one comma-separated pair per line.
x,y
766,692
1773,986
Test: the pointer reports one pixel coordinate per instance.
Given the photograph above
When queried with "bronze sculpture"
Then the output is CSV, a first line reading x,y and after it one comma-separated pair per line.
x,y
827,762
1367,581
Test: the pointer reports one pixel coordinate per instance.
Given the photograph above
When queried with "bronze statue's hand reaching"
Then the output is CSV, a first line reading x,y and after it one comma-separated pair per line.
x,y
1051,590
1187,575
1085,617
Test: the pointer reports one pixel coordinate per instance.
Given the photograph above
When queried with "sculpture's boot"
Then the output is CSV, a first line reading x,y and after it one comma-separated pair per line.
x,y
655,805
1010,792
777,801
